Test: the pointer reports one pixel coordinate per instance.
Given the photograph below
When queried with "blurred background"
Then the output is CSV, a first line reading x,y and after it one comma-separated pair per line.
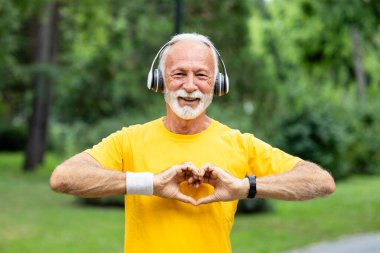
x,y
304,76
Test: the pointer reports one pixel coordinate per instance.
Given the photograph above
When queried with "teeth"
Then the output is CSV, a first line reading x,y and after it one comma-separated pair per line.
x,y
189,99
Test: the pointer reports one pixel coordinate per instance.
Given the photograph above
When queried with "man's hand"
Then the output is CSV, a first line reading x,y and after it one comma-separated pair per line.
x,y
226,186
166,184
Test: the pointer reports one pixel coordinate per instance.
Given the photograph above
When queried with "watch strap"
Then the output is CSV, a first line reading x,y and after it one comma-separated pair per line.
x,y
252,186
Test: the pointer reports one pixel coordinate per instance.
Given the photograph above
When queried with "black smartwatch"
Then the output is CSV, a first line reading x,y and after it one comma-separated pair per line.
x,y
252,186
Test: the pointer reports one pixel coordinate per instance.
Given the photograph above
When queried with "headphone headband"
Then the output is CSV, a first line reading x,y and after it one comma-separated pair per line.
x,y
158,53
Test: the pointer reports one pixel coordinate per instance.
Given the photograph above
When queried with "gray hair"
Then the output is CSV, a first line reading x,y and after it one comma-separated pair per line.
x,y
189,37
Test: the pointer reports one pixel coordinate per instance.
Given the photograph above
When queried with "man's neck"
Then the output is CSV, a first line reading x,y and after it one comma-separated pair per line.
x,y
178,125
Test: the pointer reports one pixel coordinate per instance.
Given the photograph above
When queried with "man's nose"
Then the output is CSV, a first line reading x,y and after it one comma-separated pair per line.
x,y
189,85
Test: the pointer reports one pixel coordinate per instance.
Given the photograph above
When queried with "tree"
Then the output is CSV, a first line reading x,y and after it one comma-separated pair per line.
x,y
323,40
45,54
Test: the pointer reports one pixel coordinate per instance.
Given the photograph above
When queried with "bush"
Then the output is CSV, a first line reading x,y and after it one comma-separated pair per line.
x,y
254,206
112,201
332,129
12,138
315,135
364,150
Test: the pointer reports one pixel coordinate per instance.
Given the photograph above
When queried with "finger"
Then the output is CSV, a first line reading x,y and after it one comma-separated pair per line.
x,y
184,198
170,172
192,175
191,180
188,164
204,168
181,171
187,173
197,178
188,169
207,173
206,200
212,172
192,168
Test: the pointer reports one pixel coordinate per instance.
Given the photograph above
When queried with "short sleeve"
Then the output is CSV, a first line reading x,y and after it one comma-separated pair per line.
x,y
266,160
109,152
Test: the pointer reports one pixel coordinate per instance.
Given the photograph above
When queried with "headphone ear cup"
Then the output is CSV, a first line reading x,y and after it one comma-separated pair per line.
x,y
149,80
220,85
156,82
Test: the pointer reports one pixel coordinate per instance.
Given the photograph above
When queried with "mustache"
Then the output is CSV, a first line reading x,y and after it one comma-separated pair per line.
x,y
184,93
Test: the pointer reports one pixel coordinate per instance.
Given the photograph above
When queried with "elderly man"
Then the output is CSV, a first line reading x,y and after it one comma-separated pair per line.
x,y
183,174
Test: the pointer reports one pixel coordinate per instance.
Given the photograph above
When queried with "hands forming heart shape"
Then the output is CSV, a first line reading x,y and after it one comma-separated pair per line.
x,y
226,187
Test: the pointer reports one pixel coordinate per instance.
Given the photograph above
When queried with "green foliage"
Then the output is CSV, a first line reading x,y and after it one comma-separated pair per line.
x,y
314,37
289,62
332,129
306,50
364,155
72,138
9,67
106,54
107,51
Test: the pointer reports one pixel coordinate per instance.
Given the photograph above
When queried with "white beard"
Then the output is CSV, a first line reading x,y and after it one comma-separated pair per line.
x,y
187,112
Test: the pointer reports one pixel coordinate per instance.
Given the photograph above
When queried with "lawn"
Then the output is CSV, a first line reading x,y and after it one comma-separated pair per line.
x,y
34,219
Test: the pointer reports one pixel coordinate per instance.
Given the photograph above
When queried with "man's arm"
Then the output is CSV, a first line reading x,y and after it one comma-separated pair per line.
x,y
305,181
83,176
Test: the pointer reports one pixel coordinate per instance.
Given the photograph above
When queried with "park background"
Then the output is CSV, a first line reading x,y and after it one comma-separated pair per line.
x,y
304,76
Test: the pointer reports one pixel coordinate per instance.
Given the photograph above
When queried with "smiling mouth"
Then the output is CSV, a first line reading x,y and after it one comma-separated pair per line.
x,y
189,99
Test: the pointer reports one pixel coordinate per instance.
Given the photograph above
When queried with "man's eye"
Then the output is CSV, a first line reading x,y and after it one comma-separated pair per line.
x,y
202,76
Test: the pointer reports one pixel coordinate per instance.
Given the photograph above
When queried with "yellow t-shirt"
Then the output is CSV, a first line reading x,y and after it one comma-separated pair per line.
x,y
155,225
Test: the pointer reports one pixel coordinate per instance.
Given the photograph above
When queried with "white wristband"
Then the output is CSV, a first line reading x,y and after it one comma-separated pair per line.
x,y
139,183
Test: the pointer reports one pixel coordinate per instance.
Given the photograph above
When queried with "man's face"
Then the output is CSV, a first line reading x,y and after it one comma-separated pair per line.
x,y
189,78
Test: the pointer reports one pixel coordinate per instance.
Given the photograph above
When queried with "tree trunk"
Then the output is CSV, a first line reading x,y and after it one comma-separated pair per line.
x,y
45,55
178,17
358,63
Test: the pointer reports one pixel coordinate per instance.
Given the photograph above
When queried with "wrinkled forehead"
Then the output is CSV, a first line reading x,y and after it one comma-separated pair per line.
x,y
190,52
189,47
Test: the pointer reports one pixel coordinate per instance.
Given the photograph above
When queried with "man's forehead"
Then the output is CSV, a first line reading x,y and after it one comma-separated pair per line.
x,y
189,49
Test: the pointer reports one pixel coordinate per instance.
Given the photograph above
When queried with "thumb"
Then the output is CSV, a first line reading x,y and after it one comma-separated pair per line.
x,y
184,198
206,200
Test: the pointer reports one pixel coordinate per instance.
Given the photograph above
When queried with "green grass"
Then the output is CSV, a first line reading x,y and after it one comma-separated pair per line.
x,y
34,219
353,208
